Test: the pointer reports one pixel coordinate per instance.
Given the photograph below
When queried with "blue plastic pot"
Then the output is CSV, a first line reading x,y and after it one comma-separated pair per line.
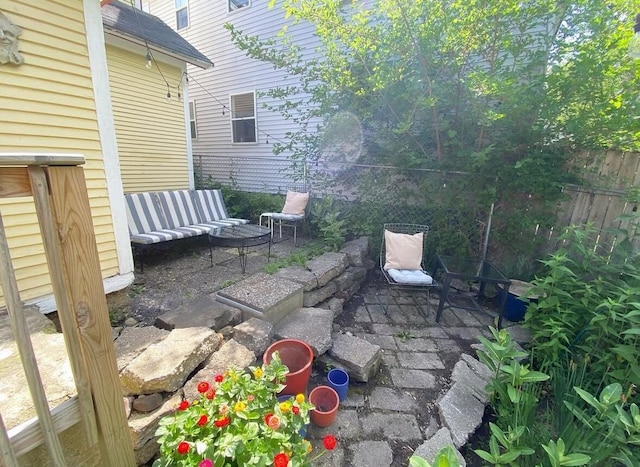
x,y
517,301
338,379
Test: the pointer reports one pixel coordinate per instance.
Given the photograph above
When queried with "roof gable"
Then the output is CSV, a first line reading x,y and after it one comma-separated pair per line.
x,y
122,20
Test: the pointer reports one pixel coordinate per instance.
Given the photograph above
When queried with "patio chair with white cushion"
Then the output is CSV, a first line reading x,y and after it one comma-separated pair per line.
x,y
402,259
293,212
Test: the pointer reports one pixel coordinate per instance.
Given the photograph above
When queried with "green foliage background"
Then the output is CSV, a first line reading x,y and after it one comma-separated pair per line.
x,y
495,97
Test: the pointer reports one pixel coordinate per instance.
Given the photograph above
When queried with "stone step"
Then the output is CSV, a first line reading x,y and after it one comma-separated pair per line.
x,y
206,312
263,296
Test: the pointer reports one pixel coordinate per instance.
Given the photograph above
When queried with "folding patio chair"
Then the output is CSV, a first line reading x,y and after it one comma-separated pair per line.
x,y
402,259
294,211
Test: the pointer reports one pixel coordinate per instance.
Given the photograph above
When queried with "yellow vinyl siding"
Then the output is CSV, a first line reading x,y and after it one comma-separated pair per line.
x,y
47,105
150,130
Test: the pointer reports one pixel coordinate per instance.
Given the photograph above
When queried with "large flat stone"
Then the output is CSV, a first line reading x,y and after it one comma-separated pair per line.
x,y
132,341
255,334
430,447
350,277
327,266
311,325
475,384
356,250
358,357
382,398
300,275
315,296
204,312
263,296
402,427
371,453
461,412
55,371
230,355
165,365
142,427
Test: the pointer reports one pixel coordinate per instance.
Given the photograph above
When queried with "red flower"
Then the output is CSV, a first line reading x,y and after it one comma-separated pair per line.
x,y
329,442
210,394
203,387
218,378
280,460
184,405
222,422
183,447
295,410
267,418
202,421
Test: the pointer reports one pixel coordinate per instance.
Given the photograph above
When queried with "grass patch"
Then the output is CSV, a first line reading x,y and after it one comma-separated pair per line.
x,y
300,257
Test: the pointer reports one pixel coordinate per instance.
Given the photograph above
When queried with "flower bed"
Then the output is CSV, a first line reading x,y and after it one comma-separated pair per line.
x,y
238,420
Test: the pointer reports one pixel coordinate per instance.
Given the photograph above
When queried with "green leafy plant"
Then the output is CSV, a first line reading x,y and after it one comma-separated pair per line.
x,y
445,457
405,335
239,421
327,220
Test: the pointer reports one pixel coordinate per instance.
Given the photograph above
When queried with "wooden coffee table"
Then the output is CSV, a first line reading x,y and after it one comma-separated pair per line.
x,y
241,237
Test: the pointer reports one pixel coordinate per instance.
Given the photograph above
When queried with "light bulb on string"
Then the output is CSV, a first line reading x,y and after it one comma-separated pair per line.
x,y
223,110
148,59
634,43
168,94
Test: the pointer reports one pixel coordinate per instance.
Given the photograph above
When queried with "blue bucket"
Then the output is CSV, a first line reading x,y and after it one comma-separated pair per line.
x,y
517,300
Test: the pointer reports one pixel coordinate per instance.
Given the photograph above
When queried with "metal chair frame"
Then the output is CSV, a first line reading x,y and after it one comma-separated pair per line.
x,y
289,223
409,229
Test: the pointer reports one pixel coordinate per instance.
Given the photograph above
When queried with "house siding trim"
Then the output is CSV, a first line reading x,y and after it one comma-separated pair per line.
x,y
187,123
106,127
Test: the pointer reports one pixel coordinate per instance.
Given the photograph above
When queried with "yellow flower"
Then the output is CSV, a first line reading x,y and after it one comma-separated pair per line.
x,y
257,373
240,406
300,398
309,447
285,407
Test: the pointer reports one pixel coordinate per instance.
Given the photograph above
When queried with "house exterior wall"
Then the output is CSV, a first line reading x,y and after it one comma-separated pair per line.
x,y
150,129
234,73
47,105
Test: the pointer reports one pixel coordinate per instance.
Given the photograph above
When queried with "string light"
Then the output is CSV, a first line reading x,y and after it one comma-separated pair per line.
x,y
168,93
148,58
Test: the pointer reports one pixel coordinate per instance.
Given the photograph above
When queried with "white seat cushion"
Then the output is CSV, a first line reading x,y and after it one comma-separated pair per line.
x,y
410,276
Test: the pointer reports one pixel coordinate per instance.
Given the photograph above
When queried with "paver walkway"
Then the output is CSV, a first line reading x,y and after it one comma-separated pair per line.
x,y
382,422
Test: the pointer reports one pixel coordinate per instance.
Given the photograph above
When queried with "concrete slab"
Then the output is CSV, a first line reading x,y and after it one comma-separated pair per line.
x,y
360,358
461,412
204,312
255,334
396,426
430,448
311,325
418,379
263,296
420,360
382,398
370,453
346,426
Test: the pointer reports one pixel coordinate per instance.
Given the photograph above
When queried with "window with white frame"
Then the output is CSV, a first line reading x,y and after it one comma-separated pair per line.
x,y
192,119
243,118
182,14
238,4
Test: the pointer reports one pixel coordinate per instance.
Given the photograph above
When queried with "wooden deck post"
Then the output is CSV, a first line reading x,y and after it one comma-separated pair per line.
x,y
83,282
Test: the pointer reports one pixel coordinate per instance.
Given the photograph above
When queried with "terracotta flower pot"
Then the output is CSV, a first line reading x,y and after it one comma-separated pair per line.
x,y
298,357
326,401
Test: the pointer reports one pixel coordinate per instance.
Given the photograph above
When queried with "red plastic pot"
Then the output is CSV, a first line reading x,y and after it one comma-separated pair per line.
x,y
297,355
326,401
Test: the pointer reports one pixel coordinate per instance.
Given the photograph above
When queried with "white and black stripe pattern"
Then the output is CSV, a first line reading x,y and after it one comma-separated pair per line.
x,y
144,214
181,213
212,210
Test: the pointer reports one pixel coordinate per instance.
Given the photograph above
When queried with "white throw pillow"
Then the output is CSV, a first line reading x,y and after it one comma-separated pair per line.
x,y
295,203
403,251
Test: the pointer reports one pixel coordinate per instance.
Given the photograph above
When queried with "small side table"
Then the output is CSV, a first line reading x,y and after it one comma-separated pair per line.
x,y
472,269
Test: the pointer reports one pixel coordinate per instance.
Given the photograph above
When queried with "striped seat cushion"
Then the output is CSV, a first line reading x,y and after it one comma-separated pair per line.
x,y
180,212
212,210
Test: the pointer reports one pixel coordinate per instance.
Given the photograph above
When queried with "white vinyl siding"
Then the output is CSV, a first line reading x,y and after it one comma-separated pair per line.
x,y
244,128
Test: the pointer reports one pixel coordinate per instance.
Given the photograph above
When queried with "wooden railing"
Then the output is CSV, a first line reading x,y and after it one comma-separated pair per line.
x,y
58,188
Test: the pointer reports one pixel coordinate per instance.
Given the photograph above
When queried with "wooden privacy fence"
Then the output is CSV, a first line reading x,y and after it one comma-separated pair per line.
x,y
57,185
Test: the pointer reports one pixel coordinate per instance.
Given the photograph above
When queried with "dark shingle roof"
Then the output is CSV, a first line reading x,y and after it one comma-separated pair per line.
x,y
123,20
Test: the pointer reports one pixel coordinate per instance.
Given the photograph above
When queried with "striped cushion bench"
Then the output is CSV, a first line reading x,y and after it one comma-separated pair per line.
x,y
158,217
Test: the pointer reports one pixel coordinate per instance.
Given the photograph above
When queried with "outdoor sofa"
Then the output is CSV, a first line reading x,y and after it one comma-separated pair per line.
x,y
164,216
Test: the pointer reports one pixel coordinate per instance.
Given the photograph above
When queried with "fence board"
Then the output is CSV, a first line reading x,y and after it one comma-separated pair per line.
x,y
7,454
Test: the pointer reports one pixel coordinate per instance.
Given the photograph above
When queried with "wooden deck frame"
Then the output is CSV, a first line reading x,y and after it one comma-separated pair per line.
x,y
57,184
